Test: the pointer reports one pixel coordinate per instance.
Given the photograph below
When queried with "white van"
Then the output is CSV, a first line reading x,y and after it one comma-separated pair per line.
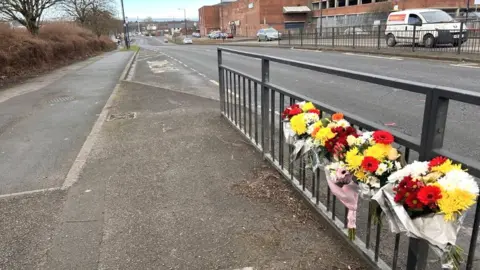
x,y
432,27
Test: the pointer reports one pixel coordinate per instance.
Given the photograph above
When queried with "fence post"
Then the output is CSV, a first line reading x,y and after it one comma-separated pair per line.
x,y
433,131
354,37
378,36
289,37
265,104
220,80
459,44
413,37
333,36
316,37
278,37
301,37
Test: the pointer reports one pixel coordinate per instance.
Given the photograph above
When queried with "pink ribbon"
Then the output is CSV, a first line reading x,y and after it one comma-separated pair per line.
x,y
348,195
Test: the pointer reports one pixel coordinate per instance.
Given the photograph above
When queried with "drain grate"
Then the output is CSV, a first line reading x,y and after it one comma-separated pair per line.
x,y
130,115
61,99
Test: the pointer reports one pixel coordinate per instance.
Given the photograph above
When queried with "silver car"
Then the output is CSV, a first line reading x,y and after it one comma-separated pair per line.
x,y
268,34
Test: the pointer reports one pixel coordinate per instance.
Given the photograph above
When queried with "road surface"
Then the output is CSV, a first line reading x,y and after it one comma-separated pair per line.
x,y
395,108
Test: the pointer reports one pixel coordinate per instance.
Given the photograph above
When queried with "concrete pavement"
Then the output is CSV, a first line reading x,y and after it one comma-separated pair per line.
x,y
175,187
44,125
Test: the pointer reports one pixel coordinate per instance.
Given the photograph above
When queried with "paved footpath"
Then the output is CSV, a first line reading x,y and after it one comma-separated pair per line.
x,y
168,185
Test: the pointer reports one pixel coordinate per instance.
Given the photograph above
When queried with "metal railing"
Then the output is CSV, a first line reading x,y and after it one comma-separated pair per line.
x,y
461,40
253,105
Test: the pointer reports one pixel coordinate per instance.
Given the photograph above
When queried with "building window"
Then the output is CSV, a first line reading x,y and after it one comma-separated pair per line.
x,y
341,3
366,1
331,3
316,6
352,2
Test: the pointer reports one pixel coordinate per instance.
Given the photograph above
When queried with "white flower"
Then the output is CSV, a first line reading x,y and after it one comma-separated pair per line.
x,y
459,179
367,135
342,123
382,168
373,182
311,118
398,165
351,140
414,170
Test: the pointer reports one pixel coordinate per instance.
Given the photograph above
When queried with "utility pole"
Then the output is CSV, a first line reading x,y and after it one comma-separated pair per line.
x,y
125,26
468,9
185,19
138,24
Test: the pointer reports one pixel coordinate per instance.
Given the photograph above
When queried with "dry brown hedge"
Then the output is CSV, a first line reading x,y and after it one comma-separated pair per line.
x,y
22,54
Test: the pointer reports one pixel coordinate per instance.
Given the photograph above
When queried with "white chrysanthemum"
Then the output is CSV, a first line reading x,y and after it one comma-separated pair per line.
x,y
398,165
351,140
459,179
382,168
311,118
310,129
342,123
373,182
414,170
300,104
367,135
333,167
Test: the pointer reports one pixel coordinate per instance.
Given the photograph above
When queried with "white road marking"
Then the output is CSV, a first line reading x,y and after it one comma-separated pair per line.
x,y
375,56
30,192
161,66
87,147
214,82
203,75
466,65
194,70
185,65
303,50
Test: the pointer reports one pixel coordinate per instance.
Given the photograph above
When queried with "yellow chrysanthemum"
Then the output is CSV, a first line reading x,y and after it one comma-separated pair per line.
x,y
378,151
455,202
298,124
361,176
307,106
353,159
446,167
324,134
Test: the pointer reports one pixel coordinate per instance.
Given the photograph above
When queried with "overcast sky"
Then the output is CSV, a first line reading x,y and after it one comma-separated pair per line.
x,y
163,8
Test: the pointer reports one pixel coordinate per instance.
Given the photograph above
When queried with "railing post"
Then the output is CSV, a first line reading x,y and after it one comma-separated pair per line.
x,y
413,37
316,37
433,131
220,80
459,42
289,37
354,37
278,37
378,36
265,104
333,36
301,37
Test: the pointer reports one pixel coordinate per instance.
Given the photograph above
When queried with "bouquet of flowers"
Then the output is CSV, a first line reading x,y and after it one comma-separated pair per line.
x,y
429,200
329,137
372,159
298,120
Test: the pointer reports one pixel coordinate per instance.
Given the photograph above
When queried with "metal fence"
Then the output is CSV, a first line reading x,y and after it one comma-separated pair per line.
x,y
253,105
460,40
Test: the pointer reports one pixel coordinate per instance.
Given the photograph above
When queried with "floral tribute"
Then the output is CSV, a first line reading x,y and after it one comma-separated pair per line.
x,y
429,200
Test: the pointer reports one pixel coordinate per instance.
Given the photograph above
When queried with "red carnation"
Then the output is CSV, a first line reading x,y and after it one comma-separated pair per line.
x,y
414,185
413,202
291,111
329,145
437,162
429,195
370,164
316,111
351,131
383,137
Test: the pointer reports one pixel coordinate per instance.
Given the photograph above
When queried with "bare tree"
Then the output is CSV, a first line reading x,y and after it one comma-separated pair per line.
x,y
100,19
26,12
81,10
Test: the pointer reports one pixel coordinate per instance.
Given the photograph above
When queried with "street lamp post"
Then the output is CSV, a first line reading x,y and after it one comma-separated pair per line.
x,y
125,26
185,18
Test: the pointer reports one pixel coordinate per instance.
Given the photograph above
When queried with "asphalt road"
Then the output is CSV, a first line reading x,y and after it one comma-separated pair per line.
x,y
396,108
44,123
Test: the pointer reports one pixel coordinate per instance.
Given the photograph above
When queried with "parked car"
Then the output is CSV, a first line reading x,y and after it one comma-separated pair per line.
x,y
187,41
268,34
432,27
197,35
358,31
214,35
165,40
229,35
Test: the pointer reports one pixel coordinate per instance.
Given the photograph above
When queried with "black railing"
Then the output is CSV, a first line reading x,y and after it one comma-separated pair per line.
x,y
253,105
457,38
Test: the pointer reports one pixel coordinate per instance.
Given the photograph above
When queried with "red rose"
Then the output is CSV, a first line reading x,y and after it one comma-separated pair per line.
x,y
370,164
383,137
413,202
429,195
437,162
316,111
291,111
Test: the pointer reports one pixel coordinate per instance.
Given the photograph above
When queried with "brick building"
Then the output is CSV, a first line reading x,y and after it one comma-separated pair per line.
x,y
363,12
246,17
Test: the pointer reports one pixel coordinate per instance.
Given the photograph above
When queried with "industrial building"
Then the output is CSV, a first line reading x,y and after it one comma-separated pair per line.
x,y
246,17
